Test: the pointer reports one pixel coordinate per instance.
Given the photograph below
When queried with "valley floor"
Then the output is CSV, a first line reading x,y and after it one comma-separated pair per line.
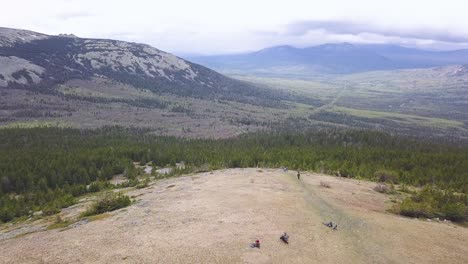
x,y
213,218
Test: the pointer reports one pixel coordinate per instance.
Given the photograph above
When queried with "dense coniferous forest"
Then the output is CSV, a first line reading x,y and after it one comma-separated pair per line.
x,y
46,168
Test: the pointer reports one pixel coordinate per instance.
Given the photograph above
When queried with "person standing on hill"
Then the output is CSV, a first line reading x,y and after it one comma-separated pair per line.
x,y
298,175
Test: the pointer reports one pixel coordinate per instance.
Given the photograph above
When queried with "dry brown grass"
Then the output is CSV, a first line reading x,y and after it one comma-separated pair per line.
x,y
213,218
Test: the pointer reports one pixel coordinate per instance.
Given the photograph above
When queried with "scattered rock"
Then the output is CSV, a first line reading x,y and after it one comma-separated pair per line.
x,y
164,171
180,165
38,213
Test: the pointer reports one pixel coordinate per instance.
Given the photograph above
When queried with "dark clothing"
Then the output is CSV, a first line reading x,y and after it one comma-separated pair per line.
x,y
285,238
298,176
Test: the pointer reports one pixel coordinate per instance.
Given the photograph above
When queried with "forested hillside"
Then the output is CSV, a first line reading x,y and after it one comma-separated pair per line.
x,y
45,168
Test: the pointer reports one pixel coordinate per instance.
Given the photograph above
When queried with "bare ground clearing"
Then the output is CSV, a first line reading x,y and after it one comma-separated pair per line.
x,y
212,218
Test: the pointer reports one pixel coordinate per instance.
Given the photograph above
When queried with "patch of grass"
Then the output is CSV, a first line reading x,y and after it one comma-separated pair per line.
x,y
144,183
108,203
405,189
401,118
59,223
430,203
98,217
36,124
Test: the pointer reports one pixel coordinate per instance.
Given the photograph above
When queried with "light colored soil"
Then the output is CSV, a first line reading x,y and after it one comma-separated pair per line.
x,y
118,179
213,217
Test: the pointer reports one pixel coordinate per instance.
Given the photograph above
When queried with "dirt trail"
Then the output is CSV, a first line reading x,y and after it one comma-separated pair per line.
x,y
352,231
213,217
331,103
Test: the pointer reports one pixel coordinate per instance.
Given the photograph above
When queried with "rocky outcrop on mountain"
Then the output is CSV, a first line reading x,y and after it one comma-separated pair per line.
x,y
39,62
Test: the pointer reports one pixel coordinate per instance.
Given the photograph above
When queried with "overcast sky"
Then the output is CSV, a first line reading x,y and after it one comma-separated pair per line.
x,y
213,27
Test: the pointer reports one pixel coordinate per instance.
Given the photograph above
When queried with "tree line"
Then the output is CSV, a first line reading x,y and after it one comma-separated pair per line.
x,y
45,168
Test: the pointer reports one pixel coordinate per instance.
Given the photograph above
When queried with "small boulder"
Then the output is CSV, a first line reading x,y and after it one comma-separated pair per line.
x,y
38,213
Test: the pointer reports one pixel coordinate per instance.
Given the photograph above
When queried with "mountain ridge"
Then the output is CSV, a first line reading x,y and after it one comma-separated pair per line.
x,y
341,58
33,60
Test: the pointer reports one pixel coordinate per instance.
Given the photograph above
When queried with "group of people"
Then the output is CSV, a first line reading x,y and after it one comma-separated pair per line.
x,y
284,237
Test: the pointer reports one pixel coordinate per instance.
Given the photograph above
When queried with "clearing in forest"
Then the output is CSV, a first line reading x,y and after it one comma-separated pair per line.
x,y
213,217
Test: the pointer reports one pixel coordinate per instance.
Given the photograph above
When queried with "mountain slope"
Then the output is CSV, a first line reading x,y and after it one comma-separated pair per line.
x,y
87,83
332,58
37,61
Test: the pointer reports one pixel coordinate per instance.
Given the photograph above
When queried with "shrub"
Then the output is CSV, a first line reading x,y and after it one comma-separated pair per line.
x,y
411,208
50,210
6,215
431,202
455,211
110,202
386,176
144,183
95,187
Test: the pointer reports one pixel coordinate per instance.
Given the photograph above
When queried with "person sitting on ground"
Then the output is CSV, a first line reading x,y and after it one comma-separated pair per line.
x,y
256,244
329,224
285,238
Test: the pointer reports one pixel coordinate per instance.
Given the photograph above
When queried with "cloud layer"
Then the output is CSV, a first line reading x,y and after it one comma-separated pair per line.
x,y
217,26
355,28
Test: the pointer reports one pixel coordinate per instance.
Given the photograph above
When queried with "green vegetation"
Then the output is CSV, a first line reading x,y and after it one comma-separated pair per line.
x,y
46,168
59,223
409,102
431,202
110,202
403,118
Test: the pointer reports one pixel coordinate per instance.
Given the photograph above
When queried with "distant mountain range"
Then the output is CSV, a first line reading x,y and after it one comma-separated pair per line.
x,y
342,58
